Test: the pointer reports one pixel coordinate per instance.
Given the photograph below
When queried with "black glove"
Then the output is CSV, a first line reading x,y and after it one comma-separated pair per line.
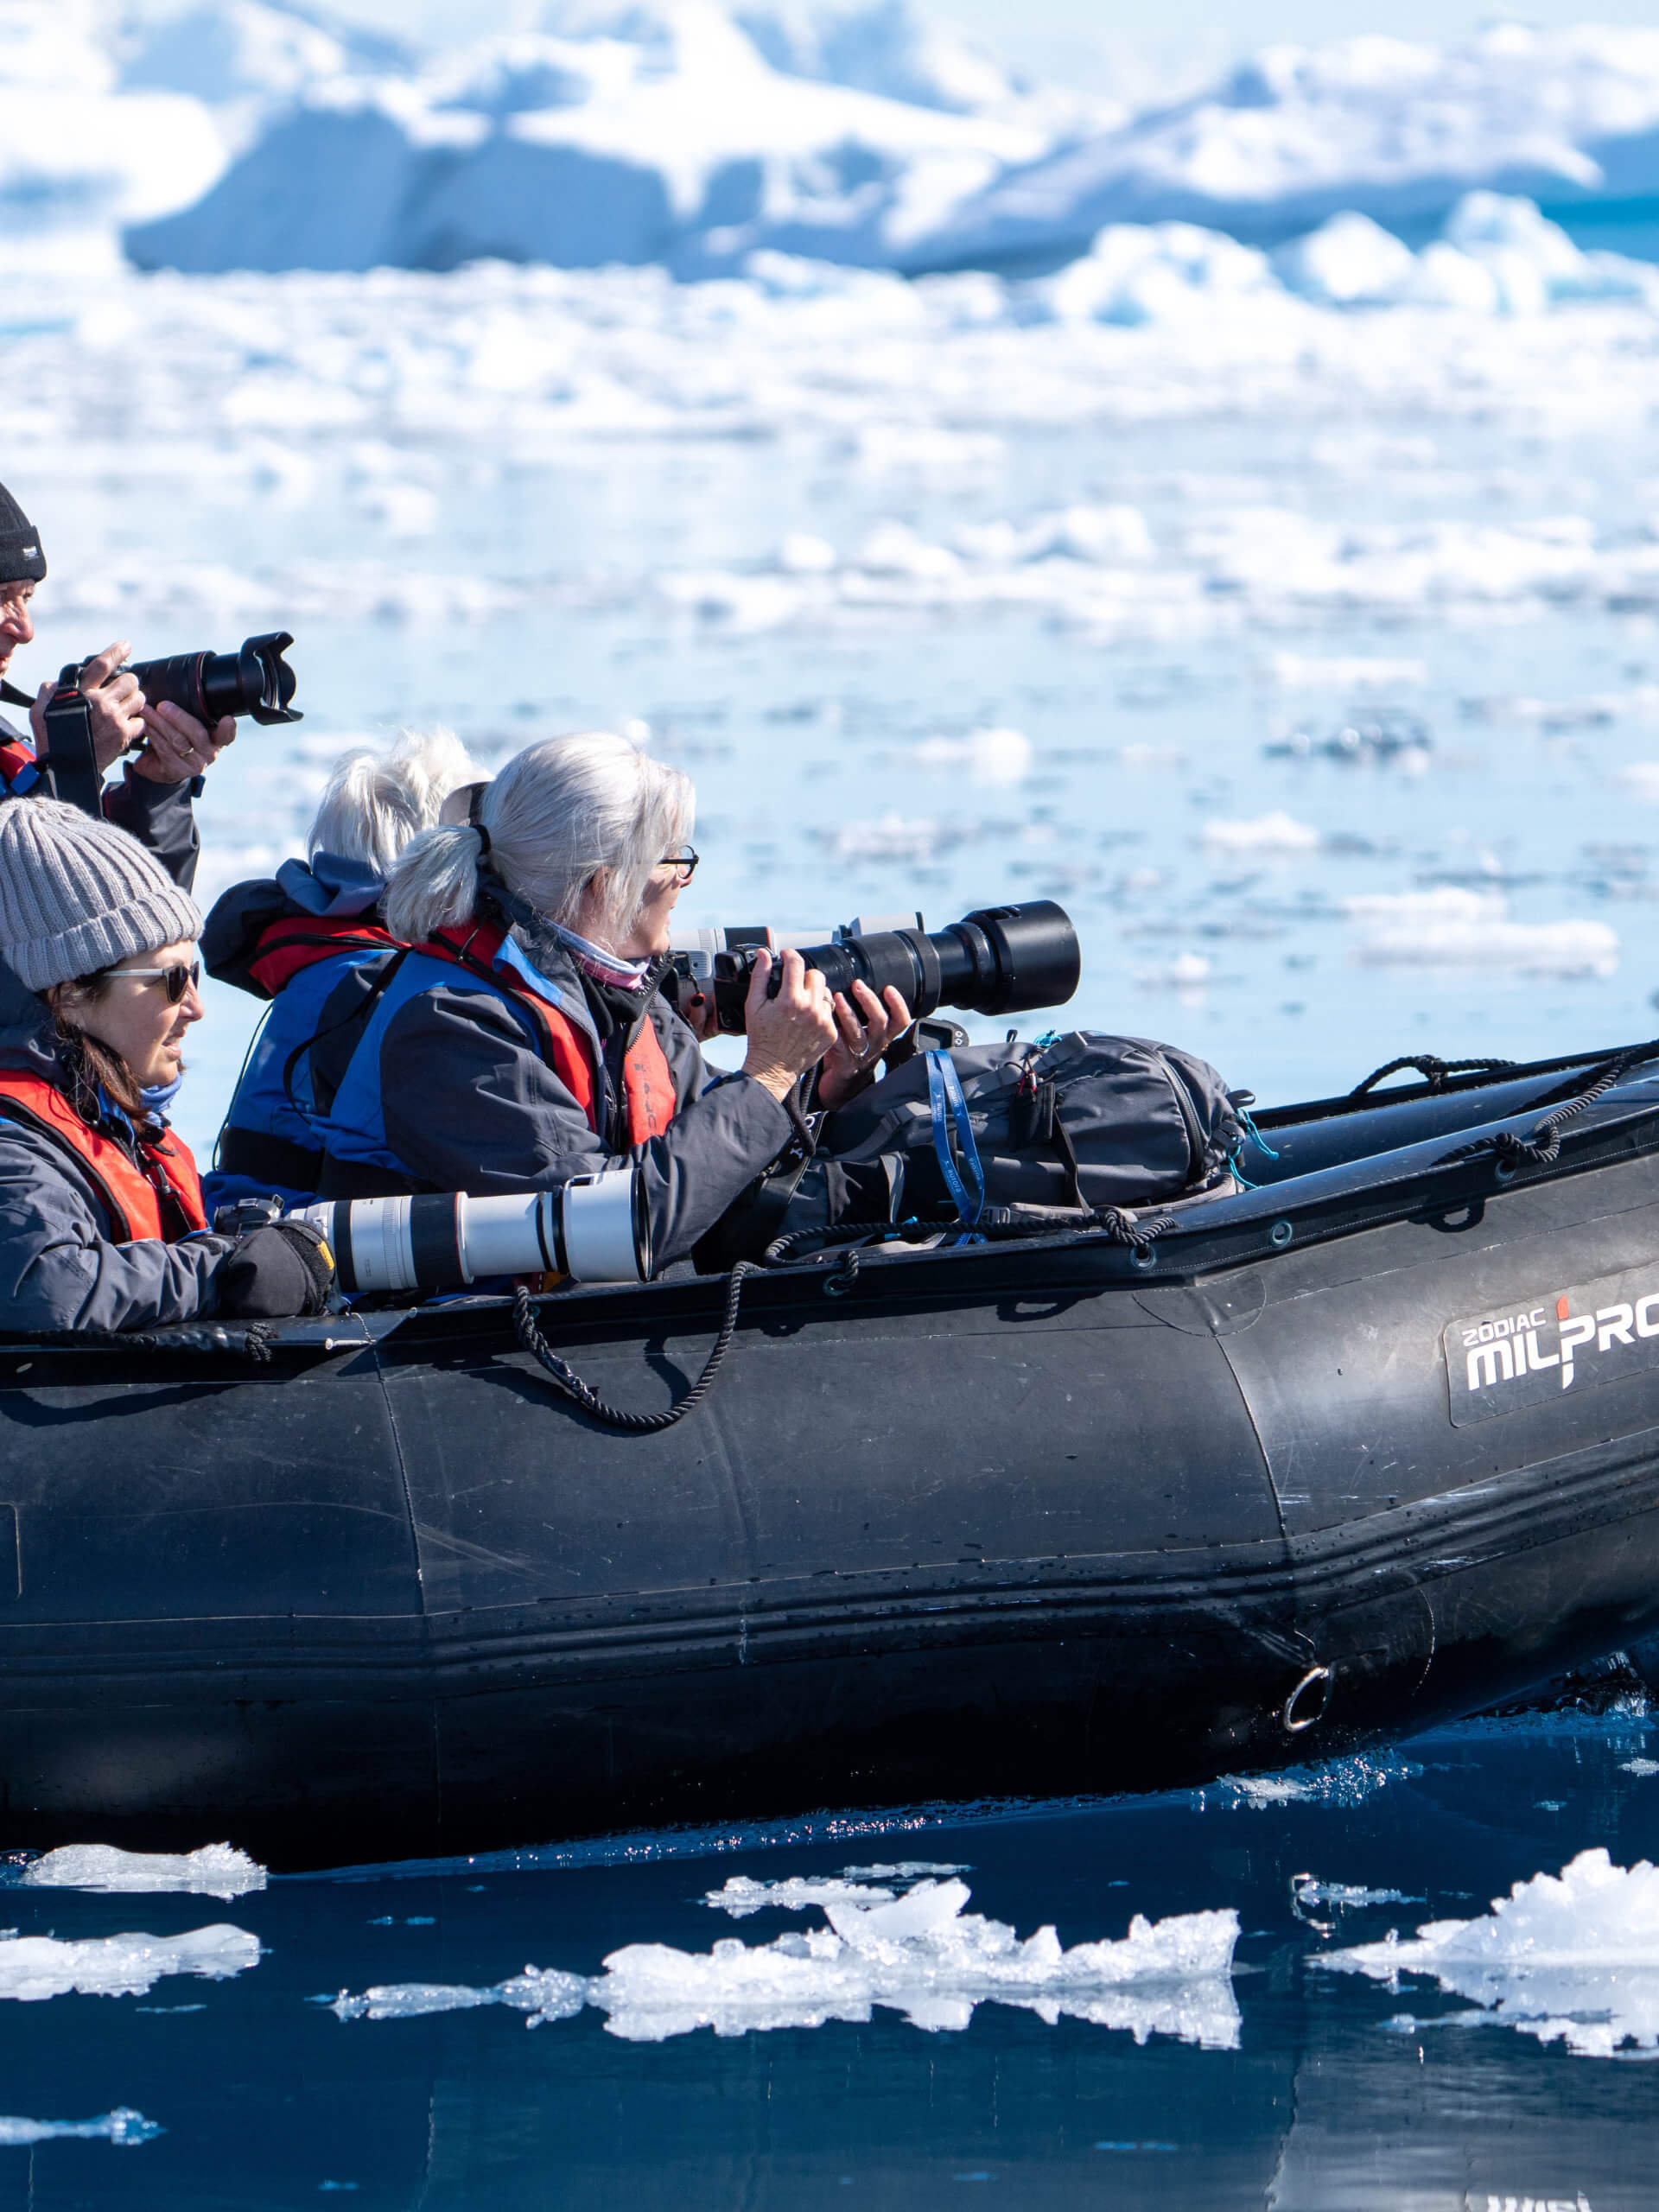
x,y
275,1272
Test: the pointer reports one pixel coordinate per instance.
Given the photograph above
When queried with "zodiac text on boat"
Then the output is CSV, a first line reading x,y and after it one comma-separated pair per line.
x,y
1589,1333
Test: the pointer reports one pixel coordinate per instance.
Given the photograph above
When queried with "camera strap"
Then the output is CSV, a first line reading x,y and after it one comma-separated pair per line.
x,y
69,765
11,697
945,1097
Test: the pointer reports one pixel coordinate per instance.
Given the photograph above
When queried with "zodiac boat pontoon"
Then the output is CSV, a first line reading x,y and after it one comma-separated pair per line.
x,y
1284,1472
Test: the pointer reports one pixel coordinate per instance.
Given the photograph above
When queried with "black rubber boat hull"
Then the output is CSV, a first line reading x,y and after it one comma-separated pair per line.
x,y
1005,1520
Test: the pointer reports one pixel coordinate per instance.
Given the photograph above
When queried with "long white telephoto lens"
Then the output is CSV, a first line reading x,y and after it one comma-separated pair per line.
x,y
594,1228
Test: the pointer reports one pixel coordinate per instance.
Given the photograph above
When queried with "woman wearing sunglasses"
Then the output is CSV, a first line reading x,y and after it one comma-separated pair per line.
x,y
101,1221
519,1040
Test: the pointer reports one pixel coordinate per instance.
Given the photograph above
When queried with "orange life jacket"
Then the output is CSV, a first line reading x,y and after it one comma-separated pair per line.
x,y
162,1199
648,1085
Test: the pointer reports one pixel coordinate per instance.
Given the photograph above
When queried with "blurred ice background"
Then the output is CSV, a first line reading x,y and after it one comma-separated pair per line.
x,y
1229,505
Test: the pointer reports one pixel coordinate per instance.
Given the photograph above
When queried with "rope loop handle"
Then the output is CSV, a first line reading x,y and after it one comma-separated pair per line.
x,y
570,1385
1431,1067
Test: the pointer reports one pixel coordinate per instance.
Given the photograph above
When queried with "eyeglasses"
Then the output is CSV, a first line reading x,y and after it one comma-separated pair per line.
x,y
686,862
178,978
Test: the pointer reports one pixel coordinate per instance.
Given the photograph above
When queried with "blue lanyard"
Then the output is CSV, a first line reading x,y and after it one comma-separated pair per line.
x,y
945,1088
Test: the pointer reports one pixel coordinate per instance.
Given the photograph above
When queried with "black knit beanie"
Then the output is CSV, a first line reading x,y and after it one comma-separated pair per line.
x,y
21,557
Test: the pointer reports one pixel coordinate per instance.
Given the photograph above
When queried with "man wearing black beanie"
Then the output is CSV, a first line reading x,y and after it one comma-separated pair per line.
x,y
153,801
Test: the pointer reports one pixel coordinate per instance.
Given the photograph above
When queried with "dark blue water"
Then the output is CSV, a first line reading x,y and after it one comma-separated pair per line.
x,y
1319,2088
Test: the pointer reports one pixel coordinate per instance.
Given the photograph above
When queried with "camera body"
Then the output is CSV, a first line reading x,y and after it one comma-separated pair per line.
x,y
997,959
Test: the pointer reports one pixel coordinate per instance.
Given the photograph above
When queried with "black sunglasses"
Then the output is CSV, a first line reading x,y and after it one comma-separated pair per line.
x,y
178,978
686,862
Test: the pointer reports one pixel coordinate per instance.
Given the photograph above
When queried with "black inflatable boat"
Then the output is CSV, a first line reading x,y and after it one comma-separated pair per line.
x,y
1284,1472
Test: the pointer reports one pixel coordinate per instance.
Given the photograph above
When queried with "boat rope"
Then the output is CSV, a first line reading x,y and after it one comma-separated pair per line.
x,y
1430,1066
570,1384
1540,1149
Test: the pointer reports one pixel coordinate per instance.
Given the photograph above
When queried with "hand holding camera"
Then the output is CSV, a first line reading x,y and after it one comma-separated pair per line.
x,y
790,1029
115,706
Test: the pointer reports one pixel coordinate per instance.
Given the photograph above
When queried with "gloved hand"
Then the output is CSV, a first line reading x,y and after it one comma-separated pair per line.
x,y
276,1272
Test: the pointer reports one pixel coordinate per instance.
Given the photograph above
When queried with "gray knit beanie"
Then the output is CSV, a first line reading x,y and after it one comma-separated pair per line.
x,y
76,895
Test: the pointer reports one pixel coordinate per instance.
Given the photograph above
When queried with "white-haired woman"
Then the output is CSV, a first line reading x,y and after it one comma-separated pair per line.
x,y
292,940
520,1040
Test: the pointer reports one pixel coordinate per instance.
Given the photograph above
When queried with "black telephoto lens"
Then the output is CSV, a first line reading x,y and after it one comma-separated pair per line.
x,y
997,959
254,680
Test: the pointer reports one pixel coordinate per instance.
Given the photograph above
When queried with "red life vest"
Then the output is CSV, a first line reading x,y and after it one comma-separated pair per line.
x,y
138,1200
648,1085
298,941
16,753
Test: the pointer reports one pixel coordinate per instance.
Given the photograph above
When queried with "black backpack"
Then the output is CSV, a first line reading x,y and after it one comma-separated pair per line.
x,y
1082,1119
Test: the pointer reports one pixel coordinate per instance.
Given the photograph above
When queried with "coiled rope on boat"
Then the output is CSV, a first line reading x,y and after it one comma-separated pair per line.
x,y
565,1379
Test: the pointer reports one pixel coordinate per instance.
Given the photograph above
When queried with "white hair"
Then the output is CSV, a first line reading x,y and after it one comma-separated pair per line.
x,y
374,802
560,814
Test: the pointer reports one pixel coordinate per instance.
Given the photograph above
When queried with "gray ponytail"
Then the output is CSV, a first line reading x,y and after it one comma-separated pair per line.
x,y
559,814
375,802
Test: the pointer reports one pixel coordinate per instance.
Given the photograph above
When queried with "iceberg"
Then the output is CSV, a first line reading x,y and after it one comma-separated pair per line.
x,y
669,137
79,154
1396,130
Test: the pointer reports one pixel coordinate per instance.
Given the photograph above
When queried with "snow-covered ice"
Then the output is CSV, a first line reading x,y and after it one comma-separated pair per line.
x,y
919,1953
1571,1958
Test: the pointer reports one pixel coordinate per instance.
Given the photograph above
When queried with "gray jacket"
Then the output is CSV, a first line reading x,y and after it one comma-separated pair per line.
x,y
59,1268
435,1082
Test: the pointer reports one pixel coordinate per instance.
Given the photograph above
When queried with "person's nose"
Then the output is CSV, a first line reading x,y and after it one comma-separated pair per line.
x,y
190,1006
15,623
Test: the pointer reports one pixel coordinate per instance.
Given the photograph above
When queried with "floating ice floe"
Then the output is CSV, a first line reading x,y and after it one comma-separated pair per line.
x,y
216,1871
1571,1958
123,2125
1277,832
33,1968
1454,928
990,756
1306,1890
919,1954
1344,672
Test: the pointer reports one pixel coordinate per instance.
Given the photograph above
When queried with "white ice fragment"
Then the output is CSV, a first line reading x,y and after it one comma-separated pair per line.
x,y
1349,261
1308,1892
544,1994
904,1870
1344,672
920,1954
990,756
216,1871
801,554
1457,927
1178,273
1571,1958
1187,971
123,2125
893,548
1639,1766
891,837
741,1897
1277,832
33,1968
